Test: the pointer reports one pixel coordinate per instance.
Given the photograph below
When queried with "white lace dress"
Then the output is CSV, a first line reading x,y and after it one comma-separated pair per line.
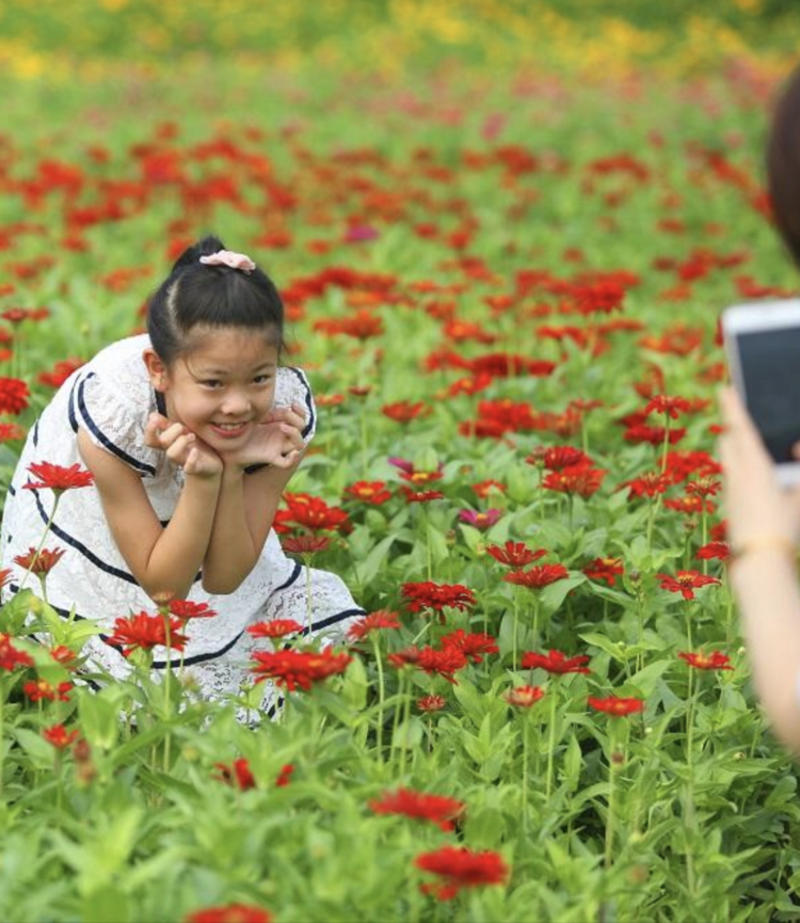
x,y
111,398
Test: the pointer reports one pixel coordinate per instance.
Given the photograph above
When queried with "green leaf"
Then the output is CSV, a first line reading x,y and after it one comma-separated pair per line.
x,y
553,595
367,569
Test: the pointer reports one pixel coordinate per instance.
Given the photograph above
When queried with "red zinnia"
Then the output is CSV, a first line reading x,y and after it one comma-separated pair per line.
x,y
555,662
431,702
579,479
284,777
40,563
276,628
614,705
230,913
10,657
237,774
404,411
672,406
604,569
421,496
13,395
711,550
298,668
684,582
382,618
713,661
524,696
41,689
538,576
461,868
57,477
373,492
305,544
405,657
515,554
184,610
437,596
445,662
313,513
146,631
59,736
437,808
472,646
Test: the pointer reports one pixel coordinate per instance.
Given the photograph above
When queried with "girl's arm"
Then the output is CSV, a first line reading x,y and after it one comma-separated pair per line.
x,y
163,560
763,522
245,509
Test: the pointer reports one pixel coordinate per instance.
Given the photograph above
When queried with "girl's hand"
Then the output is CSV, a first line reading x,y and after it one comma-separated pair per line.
x,y
182,447
276,440
755,504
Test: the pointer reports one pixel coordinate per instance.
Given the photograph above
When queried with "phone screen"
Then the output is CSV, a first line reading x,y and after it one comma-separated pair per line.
x,y
770,366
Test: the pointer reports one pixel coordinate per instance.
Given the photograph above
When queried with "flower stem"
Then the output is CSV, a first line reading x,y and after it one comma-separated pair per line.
x,y
379,727
525,723
551,739
38,551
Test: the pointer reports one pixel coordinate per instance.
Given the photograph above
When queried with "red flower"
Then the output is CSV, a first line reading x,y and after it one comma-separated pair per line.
x,y
284,776
713,661
431,703
484,488
313,513
57,477
237,774
556,458
480,520
444,662
437,808
515,554
298,668
146,631
579,479
64,655
538,576
613,705
11,431
40,563
461,868
421,496
406,657
184,610
13,395
555,662
604,569
648,484
41,689
60,372
403,411
711,550
437,596
10,657
472,646
59,736
230,913
524,696
373,492
684,582
672,406
275,628
305,544
382,618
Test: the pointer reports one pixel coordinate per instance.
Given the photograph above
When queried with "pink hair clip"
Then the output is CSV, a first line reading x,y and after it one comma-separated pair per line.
x,y
229,258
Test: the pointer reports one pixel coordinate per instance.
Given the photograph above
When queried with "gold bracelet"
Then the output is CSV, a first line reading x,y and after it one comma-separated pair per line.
x,y
764,542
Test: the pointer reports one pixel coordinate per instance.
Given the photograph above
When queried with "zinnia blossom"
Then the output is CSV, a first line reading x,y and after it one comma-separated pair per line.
x,y
431,703
298,668
305,544
237,774
604,569
459,867
443,662
555,662
59,736
481,520
615,705
313,513
230,913
11,657
515,554
714,661
185,609
671,406
711,550
437,596
146,631
579,479
684,582
41,689
472,646
538,576
382,618
14,395
439,809
284,777
372,492
275,628
40,563
57,477
524,696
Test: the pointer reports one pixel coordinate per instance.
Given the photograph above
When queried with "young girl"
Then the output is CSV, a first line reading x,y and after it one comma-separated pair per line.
x,y
192,432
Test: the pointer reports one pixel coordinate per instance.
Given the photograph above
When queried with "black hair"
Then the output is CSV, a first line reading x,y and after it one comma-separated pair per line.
x,y
196,293
783,165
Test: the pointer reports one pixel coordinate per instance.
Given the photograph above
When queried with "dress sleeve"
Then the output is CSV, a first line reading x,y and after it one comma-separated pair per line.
x,y
292,387
114,422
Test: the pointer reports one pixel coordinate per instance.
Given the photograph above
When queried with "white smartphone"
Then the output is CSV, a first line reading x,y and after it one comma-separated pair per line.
x,y
762,341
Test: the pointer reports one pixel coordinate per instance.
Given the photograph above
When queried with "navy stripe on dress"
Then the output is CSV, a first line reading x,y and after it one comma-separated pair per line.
x,y
101,436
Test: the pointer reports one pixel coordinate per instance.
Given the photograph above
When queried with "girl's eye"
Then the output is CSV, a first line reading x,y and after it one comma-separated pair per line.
x,y
262,379
211,382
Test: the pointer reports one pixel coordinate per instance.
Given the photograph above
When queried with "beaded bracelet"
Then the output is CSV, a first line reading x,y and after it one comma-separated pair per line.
x,y
763,542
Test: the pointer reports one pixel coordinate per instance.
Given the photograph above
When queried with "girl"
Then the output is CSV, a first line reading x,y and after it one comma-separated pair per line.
x,y
763,520
192,432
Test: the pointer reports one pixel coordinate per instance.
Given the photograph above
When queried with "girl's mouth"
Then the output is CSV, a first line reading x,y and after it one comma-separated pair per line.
x,y
229,430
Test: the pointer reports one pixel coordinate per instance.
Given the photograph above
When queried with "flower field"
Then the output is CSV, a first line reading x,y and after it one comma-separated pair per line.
x,y
504,287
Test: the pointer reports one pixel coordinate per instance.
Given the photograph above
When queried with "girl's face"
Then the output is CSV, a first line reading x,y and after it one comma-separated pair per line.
x,y
221,387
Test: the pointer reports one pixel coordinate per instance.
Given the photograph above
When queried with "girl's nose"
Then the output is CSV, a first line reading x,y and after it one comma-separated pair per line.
x,y
236,403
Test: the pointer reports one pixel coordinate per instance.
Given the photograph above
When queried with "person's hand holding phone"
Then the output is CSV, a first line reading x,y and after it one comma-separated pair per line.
x,y
756,505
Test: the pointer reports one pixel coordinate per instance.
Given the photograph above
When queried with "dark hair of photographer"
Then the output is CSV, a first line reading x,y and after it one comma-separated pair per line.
x,y
783,165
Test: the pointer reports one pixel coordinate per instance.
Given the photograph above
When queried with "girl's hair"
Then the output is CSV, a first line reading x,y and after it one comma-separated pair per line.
x,y
783,165
195,293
